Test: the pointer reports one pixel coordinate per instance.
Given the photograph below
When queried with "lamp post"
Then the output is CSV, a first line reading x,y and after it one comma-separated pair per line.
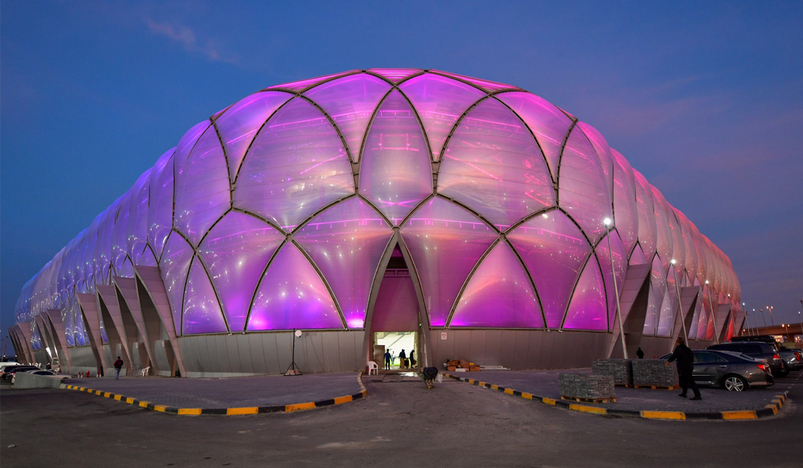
x,y
746,318
713,314
772,320
680,307
607,222
755,321
800,321
763,318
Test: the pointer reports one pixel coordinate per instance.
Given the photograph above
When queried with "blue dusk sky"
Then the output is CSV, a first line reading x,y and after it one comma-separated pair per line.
x,y
704,98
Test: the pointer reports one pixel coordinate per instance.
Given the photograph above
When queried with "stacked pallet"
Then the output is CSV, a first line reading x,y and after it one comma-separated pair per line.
x,y
654,373
620,369
461,365
587,387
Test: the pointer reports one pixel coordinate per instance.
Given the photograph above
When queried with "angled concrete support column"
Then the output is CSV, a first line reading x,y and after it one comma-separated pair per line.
x,y
633,309
129,302
723,311
90,312
688,296
44,331
60,337
117,330
27,336
19,352
152,293
24,353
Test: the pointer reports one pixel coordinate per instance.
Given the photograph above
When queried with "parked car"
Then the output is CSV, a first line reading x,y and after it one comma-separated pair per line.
x,y
732,371
758,350
792,357
36,372
9,371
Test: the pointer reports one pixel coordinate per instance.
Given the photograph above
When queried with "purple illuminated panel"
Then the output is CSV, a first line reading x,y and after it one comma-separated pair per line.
x,y
146,258
619,265
305,84
445,242
350,101
202,187
118,253
396,173
236,252
160,211
347,242
548,123
554,250
138,218
296,166
637,257
493,165
395,74
583,190
174,266
202,312
587,307
647,232
669,307
241,122
664,239
657,289
603,151
624,201
439,101
489,86
68,328
292,295
499,294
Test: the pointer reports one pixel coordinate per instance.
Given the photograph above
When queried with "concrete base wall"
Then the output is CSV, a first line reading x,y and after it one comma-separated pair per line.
x,y
271,353
82,360
519,349
23,380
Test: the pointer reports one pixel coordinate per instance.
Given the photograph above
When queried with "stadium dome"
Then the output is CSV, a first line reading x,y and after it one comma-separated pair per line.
x,y
467,214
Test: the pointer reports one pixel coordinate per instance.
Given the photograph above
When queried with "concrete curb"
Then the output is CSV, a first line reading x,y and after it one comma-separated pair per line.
x,y
744,415
291,408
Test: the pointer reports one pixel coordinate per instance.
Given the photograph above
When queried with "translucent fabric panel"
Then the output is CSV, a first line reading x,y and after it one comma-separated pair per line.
x,y
669,307
657,280
305,84
174,265
239,123
236,252
146,258
583,190
202,187
603,150
637,257
548,123
79,330
138,217
350,101
498,295
493,165
619,256
690,253
292,295
160,211
69,320
296,166
664,239
695,319
625,210
646,216
202,312
126,269
440,101
187,142
395,74
396,173
489,86
587,307
553,250
445,242
120,235
347,242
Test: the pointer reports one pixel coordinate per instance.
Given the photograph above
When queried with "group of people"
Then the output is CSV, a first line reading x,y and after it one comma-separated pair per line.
x,y
404,361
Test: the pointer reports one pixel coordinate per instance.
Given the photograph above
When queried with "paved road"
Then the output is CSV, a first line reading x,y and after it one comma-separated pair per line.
x,y
401,423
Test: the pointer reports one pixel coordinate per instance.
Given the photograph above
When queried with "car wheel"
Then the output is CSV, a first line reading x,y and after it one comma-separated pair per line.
x,y
784,371
734,383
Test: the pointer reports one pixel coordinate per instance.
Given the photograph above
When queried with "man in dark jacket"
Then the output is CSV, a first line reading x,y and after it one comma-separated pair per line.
x,y
685,362
118,365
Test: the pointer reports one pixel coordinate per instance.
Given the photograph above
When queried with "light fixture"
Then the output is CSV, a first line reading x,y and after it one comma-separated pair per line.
x,y
606,221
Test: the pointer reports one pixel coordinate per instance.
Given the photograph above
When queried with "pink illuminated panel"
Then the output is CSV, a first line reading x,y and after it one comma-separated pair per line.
x,y
657,289
619,258
664,239
647,232
174,266
624,201
489,86
499,294
602,149
553,250
160,211
292,295
241,122
440,101
396,173
347,242
587,307
582,186
493,165
202,312
637,257
296,166
548,123
350,101
669,307
445,242
236,252
395,74
305,84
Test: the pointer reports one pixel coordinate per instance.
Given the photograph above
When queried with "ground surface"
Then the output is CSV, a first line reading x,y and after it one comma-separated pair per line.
x,y
400,423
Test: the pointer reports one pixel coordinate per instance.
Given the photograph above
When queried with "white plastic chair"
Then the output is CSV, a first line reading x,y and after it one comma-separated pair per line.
x,y
145,370
373,368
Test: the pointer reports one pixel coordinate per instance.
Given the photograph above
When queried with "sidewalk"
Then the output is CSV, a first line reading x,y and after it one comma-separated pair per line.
x,y
236,395
653,404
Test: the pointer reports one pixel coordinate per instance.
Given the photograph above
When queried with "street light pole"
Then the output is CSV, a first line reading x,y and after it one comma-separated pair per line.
x,y
680,307
755,321
772,320
607,222
763,318
713,314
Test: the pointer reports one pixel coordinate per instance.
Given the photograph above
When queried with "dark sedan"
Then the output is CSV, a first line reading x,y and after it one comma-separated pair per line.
x,y
734,372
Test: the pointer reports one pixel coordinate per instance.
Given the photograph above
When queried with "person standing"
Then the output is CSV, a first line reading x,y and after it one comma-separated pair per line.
x,y
118,366
685,362
640,353
412,358
387,360
402,358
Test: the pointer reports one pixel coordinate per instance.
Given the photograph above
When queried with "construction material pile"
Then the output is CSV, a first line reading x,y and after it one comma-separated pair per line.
x,y
461,365
620,369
